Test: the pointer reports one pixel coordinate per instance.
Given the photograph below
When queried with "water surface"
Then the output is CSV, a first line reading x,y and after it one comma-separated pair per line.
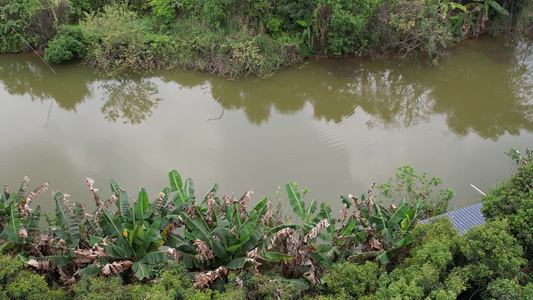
x,y
333,126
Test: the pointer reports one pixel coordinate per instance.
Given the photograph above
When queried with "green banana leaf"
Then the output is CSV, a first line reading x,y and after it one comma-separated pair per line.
x,y
296,202
175,181
275,256
10,232
141,205
68,220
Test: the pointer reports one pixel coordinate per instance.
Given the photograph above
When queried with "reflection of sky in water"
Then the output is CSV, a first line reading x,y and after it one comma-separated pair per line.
x,y
332,126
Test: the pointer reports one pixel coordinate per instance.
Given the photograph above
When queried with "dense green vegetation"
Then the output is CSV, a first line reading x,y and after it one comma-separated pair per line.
x,y
179,246
241,37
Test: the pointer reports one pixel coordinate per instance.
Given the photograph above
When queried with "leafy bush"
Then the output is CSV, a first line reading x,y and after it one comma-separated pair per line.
x,y
18,222
431,269
116,40
10,266
267,286
16,16
67,44
176,279
503,288
491,252
27,285
513,200
353,279
151,292
101,288
414,187
348,25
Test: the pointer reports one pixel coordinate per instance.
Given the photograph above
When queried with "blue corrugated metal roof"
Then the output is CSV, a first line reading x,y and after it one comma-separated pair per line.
x,y
464,218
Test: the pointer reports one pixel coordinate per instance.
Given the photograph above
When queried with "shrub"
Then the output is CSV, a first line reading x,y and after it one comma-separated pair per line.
x,y
265,286
430,271
16,17
27,285
490,252
68,44
353,279
175,279
407,183
151,292
439,228
100,288
10,266
513,200
348,25
116,40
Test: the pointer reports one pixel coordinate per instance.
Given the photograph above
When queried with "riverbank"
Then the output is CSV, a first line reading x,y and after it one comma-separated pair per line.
x,y
239,38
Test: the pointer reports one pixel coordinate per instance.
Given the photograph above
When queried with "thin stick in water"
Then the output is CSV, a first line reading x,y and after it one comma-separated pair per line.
x,y
208,115
478,190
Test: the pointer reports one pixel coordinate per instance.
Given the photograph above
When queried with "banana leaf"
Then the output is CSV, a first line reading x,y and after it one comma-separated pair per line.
x,y
254,240
236,263
222,231
213,190
173,240
296,202
311,210
398,215
136,236
349,228
151,236
115,188
175,181
68,220
10,232
141,205
283,226
325,213
141,270
275,256
31,222
111,228
219,250
125,210
238,244
92,228
189,190
6,246
119,249
155,256
323,259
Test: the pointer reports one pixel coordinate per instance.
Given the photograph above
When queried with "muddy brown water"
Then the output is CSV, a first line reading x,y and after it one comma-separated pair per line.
x,y
332,126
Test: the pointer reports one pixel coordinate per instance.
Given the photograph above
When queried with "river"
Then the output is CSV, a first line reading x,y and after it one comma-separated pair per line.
x,y
332,126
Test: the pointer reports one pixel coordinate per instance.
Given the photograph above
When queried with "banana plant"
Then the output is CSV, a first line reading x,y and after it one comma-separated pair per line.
x,y
446,6
484,6
520,158
374,229
132,233
19,223
222,233
68,220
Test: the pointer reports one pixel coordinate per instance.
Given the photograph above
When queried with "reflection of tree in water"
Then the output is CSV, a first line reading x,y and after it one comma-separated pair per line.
x,y
130,99
257,98
486,96
27,75
485,91
393,96
395,99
